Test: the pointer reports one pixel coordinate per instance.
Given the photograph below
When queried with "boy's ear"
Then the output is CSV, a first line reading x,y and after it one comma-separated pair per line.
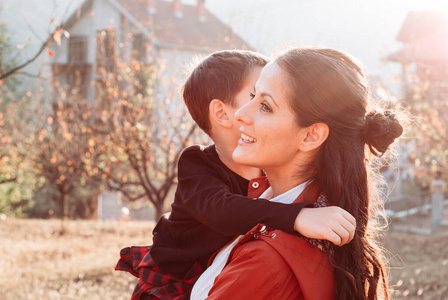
x,y
219,113
314,136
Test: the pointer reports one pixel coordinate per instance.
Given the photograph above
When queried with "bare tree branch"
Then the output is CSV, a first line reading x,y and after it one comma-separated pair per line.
x,y
31,75
23,65
8,180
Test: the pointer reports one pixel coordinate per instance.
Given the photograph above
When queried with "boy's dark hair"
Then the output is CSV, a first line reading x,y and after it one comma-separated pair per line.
x,y
220,75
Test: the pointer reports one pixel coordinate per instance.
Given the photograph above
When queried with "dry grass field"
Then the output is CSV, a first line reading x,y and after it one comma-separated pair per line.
x,y
37,263
418,265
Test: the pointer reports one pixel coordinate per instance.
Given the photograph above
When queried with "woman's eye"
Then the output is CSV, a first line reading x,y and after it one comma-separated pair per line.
x,y
265,107
252,96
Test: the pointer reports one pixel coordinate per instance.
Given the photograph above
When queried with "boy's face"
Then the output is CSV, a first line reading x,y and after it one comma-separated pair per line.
x,y
243,97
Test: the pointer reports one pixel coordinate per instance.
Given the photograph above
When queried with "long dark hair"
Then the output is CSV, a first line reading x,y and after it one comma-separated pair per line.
x,y
329,86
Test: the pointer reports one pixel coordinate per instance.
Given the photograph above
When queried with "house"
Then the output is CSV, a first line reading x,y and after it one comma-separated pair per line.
x,y
424,55
424,61
168,33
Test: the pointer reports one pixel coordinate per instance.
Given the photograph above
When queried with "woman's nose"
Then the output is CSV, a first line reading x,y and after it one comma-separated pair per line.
x,y
242,114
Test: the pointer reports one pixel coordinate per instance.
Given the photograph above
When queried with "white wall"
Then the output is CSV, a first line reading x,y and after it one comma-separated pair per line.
x,y
29,23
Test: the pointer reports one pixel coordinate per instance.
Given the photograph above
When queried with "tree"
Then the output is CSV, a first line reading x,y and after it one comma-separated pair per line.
x,y
128,139
7,88
427,100
17,180
58,150
16,184
142,143
55,143
143,132
9,69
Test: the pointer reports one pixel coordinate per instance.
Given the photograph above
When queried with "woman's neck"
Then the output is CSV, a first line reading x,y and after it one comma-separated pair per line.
x,y
282,182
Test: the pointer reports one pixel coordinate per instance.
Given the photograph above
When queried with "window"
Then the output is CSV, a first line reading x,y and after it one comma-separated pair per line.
x,y
139,47
77,50
105,51
73,78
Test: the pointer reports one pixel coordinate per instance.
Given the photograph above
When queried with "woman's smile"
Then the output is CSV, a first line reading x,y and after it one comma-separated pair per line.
x,y
246,139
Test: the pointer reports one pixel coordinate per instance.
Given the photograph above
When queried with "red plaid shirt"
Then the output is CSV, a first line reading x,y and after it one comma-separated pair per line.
x,y
152,283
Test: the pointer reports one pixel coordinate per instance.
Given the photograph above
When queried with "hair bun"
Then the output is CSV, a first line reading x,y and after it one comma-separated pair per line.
x,y
380,130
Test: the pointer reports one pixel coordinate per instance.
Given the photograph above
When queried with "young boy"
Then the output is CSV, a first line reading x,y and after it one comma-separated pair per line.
x,y
210,205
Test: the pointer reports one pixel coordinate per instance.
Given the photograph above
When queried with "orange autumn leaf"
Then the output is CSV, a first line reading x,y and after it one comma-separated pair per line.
x,y
57,37
68,136
50,120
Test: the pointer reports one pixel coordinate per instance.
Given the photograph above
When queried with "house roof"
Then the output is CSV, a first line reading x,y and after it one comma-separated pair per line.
x,y
85,7
421,23
430,48
187,30
425,38
165,29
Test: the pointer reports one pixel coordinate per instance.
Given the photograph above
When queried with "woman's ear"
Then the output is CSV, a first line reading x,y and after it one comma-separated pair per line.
x,y
219,114
315,135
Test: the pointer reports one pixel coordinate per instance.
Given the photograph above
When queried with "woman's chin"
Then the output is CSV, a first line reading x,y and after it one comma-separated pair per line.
x,y
240,155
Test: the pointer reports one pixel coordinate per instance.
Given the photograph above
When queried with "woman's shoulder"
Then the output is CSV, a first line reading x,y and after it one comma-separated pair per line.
x,y
255,271
283,256
264,242
301,248
289,247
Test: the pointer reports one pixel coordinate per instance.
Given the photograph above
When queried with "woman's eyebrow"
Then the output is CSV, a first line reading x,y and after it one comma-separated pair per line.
x,y
269,95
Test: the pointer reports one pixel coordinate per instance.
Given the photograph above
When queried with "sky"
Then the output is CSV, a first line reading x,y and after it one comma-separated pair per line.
x,y
365,28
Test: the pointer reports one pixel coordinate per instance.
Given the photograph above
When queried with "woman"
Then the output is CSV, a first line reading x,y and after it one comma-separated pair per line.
x,y
309,127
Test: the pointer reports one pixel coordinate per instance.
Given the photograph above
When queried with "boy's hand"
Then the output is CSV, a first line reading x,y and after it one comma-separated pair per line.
x,y
326,223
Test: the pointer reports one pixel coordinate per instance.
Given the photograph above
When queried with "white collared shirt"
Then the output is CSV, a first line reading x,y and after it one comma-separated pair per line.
x,y
205,282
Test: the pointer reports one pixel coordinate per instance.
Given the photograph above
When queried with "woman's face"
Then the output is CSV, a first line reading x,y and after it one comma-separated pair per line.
x,y
269,132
